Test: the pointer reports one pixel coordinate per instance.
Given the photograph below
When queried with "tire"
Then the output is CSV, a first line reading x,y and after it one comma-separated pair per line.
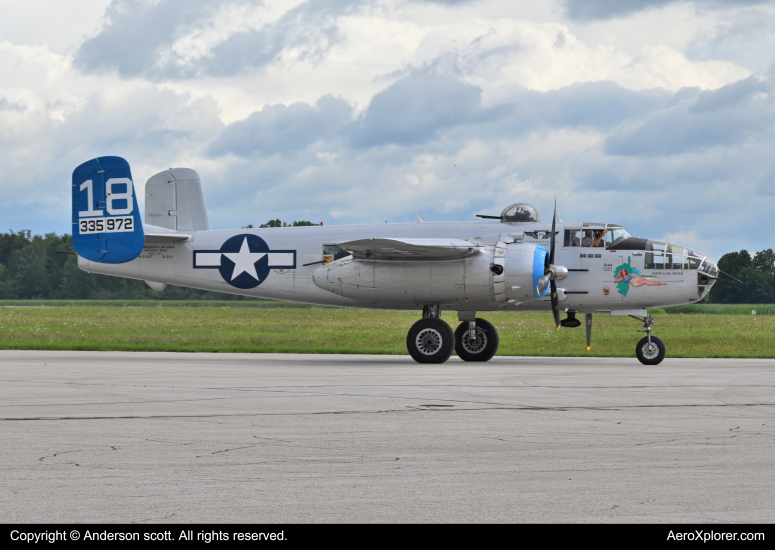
x,y
430,341
653,356
485,345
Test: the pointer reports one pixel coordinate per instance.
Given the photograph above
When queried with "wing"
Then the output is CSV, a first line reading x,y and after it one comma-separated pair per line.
x,y
410,249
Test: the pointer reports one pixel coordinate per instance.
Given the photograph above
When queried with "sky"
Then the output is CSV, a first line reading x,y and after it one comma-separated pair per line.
x,y
658,115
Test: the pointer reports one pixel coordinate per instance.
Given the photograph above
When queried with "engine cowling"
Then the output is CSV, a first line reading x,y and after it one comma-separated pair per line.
x,y
525,265
484,279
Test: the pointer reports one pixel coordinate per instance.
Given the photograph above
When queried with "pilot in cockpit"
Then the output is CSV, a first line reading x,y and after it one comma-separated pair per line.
x,y
593,238
599,235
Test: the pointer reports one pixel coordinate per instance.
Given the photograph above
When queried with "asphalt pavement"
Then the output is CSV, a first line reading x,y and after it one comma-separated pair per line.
x,y
184,437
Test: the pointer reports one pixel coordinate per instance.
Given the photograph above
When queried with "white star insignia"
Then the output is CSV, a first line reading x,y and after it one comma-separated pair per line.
x,y
244,260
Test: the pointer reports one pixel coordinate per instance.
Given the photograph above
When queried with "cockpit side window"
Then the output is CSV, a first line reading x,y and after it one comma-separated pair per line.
x,y
593,237
573,237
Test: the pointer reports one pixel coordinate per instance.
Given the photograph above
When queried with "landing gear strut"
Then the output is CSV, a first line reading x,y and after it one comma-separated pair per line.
x,y
650,350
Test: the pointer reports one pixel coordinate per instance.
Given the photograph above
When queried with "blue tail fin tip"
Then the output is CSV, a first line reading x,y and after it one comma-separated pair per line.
x,y
107,227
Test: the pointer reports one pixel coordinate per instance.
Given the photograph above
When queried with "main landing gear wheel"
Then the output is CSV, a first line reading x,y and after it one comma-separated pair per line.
x,y
650,354
482,347
430,340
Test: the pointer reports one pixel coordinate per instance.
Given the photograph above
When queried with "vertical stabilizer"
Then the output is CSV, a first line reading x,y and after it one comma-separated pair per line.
x,y
106,220
174,200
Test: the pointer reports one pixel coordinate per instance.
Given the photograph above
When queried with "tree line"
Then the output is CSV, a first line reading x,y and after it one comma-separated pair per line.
x,y
34,267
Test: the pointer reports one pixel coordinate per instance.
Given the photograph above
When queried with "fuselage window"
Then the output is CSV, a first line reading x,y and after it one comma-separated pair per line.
x,y
593,237
668,256
332,253
573,237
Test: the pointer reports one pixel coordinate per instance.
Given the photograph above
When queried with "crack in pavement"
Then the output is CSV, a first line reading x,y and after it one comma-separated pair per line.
x,y
407,409
234,449
41,459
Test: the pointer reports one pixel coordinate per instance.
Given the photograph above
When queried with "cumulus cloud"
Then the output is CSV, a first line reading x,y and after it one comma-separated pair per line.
x,y
586,10
602,105
137,32
183,39
415,108
54,125
745,37
283,128
726,117
6,105
503,56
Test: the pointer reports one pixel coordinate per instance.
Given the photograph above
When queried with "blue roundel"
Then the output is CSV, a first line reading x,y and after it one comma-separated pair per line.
x,y
244,261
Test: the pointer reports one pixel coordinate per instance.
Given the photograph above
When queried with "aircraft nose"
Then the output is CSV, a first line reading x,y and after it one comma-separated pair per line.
x,y
706,276
709,266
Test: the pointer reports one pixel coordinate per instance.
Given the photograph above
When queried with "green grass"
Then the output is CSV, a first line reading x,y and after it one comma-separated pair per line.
x,y
254,302
265,327
722,309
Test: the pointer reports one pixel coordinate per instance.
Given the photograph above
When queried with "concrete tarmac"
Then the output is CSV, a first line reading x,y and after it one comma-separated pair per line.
x,y
176,437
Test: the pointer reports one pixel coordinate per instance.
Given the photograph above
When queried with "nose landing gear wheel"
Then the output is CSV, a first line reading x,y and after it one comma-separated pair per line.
x,y
482,347
430,340
650,354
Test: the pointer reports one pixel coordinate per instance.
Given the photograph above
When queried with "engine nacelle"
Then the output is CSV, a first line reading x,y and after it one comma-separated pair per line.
x,y
525,264
485,279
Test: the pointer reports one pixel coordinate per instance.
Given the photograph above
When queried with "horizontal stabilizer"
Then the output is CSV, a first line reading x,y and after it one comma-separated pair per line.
x,y
154,238
154,235
409,249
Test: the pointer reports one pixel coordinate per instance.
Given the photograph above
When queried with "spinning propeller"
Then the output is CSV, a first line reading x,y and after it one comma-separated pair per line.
x,y
551,273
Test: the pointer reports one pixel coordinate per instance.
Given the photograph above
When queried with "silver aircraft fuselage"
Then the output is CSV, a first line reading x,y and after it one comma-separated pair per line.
x,y
655,275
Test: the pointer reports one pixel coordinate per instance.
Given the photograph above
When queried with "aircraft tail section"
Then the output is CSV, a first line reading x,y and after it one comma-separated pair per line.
x,y
107,227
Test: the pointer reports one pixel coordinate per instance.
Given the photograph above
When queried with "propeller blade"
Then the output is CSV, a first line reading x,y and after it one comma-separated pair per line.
x,y
551,245
543,281
555,305
730,276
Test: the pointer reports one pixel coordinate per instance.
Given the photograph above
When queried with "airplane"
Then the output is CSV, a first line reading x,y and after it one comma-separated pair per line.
x,y
511,262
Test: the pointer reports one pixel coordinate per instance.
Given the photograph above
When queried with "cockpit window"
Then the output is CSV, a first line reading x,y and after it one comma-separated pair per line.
x,y
585,237
573,237
615,234
593,237
520,212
